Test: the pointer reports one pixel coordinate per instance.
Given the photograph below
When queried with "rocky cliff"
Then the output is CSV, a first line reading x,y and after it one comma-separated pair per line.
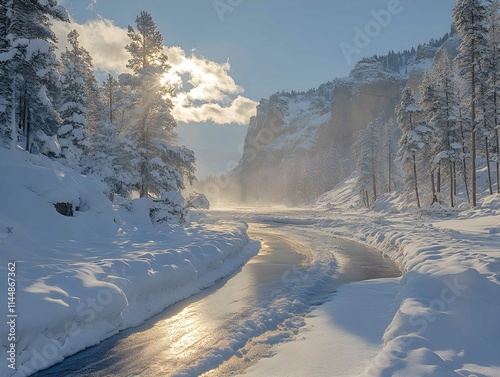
x,y
299,144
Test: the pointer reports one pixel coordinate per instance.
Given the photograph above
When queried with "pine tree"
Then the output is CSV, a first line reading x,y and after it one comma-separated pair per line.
x,y
85,66
447,142
151,127
464,134
494,79
73,132
146,47
469,18
109,92
414,137
391,134
28,75
102,159
368,166
363,166
429,103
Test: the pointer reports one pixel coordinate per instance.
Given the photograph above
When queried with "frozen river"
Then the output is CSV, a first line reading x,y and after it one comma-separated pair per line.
x,y
230,326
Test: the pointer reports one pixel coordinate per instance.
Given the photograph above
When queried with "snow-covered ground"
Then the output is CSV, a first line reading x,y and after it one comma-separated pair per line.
x,y
442,318
340,337
81,279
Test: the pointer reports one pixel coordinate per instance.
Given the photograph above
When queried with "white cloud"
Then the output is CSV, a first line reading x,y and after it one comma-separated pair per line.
x,y
239,111
205,89
103,40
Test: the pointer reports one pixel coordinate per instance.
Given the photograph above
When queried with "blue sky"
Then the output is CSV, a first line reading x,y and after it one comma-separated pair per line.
x,y
270,45
277,44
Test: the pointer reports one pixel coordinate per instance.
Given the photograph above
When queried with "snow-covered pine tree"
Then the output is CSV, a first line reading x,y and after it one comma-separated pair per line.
x,y
28,71
493,95
390,135
106,159
414,137
447,143
469,17
463,123
85,66
151,126
73,132
108,92
484,120
428,102
101,161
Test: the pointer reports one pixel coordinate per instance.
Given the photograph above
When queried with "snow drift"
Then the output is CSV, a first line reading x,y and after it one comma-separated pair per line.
x,y
82,278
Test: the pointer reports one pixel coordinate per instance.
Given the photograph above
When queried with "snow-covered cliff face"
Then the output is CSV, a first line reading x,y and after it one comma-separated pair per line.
x,y
298,145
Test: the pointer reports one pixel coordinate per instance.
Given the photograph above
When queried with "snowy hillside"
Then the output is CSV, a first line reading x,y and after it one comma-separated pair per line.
x,y
82,278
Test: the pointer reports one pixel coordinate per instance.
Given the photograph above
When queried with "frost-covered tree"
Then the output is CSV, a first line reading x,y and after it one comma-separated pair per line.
x,y
150,126
429,104
28,71
413,139
469,17
109,92
102,159
84,65
146,47
390,136
73,132
368,165
493,95
447,143
463,124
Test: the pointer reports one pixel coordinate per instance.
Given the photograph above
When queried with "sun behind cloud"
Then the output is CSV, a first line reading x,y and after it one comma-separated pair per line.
x,y
205,89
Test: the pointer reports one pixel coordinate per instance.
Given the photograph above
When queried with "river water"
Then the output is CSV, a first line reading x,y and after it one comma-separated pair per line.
x,y
230,326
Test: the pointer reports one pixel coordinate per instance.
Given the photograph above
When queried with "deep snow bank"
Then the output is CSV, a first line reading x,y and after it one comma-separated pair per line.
x,y
81,279
444,314
448,321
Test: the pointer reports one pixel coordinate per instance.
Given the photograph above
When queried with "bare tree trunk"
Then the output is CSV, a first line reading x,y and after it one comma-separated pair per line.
x,y
452,189
490,183
144,189
473,125
455,178
464,160
498,160
474,173
13,127
111,102
433,185
416,182
390,166
439,179
28,131
466,181
20,124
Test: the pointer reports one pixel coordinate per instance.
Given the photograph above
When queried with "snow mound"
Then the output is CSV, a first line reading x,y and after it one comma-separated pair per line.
x,y
449,300
343,196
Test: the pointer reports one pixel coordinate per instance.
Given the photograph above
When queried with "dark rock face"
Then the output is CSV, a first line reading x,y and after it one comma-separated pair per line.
x,y
65,209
